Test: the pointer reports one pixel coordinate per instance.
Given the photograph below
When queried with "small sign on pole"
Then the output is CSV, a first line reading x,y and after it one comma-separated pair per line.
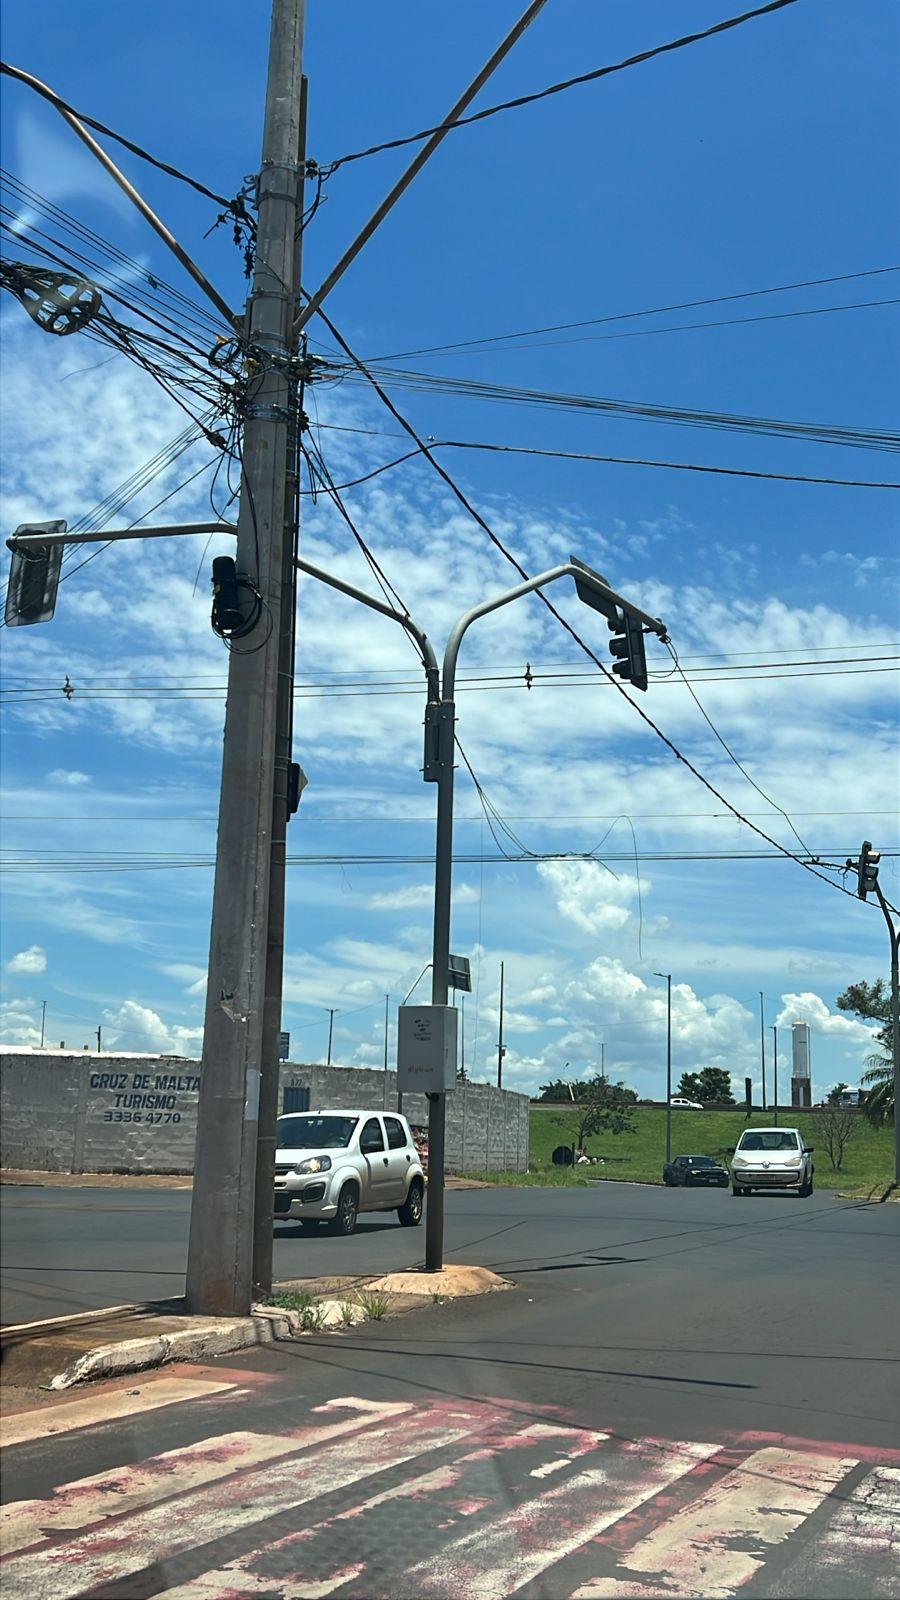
x,y
426,1049
284,1047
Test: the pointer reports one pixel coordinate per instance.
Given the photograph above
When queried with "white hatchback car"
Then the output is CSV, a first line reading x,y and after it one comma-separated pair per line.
x,y
330,1165
772,1158
678,1103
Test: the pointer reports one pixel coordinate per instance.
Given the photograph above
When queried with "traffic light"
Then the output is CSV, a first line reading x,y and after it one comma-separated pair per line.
x,y
34,576
627,642
867,869
627,646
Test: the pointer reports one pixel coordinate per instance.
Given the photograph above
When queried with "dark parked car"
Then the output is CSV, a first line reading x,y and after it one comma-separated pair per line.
x,y
695,1170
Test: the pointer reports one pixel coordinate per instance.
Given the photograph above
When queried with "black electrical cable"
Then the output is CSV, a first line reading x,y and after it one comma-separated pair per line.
x,y
559,88
627,316
499,545
639,410
624,461
101,127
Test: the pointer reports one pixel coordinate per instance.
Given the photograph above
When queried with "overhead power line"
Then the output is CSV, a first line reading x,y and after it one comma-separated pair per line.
x,y
564,623
627,316
621,461
101,127
843,434
560,88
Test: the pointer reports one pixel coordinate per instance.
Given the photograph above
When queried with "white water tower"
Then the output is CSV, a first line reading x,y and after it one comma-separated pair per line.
x,y
801,1074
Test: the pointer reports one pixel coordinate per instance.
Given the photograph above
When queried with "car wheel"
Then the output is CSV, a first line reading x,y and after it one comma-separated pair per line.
x,y
410,1213
347,1210
805,1189
737,1191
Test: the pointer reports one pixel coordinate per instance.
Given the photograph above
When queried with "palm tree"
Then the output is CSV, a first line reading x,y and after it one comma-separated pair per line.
x,y
879,1106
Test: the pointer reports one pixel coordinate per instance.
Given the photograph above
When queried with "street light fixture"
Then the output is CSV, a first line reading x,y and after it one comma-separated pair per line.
x,y
668,978
440,735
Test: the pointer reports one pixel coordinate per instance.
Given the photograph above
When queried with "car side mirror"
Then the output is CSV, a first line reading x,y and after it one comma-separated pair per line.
x,y
809,1149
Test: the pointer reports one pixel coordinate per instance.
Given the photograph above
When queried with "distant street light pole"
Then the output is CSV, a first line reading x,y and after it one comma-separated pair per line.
x,y
762,1044
387,1002
668,978
626,621
43,1020
501,1051
775,1071
331,1011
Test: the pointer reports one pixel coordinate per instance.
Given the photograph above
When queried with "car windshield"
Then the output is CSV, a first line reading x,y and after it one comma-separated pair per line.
x,y
776,1140
315,1133
700,1161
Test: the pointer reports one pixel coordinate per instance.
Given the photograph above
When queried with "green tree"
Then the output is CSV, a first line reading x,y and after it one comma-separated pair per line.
x,y
560,1090
871,1002
605,1109
712,1084
834,1095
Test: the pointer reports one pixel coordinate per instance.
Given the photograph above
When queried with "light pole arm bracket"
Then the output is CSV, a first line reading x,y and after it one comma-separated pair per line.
x,y
420,637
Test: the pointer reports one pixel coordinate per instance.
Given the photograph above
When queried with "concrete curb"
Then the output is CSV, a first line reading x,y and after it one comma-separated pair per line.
x,y
198,1343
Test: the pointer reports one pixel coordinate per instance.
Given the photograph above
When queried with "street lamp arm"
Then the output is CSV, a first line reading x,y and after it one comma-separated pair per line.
x,y
566,569
420,637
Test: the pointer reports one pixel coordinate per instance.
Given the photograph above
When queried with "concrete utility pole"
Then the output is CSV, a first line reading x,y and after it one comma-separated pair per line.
x,y
99,1039
762,1045
43,1020
500,1049
220,1249
331,1011
775,1072
263,1230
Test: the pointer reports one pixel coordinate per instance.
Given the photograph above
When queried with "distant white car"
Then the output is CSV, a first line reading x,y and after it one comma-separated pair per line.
x,y
330,1165
772,1158
678,1104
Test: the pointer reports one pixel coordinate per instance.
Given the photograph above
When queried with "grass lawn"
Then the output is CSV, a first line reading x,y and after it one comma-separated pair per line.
x,y
868,1158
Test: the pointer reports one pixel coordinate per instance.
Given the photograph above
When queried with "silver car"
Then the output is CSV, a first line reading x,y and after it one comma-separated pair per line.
x,y
772,1158
332,1164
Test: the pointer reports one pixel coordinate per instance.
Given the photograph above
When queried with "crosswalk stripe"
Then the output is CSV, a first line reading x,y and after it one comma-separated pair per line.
x,y
106,1494
717,1543
111,1551
286,1563
518,1546
862,1537
23,1426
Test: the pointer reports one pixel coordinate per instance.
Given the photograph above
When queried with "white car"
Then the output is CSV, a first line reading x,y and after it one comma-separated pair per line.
x,y
772,1158
330,1165
678,1104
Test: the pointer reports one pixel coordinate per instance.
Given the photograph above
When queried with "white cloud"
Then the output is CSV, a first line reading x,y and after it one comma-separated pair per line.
x,y
137,1027
71,780
811,1008
18,1023
34,959
414,895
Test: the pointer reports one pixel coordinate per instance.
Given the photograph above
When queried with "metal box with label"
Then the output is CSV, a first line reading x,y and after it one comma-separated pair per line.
x,y
426,1049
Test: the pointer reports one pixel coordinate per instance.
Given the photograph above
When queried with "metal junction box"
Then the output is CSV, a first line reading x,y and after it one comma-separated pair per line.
x,y
426,1049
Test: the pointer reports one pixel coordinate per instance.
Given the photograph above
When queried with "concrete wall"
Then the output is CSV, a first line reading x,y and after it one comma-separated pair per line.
x,y
82,1112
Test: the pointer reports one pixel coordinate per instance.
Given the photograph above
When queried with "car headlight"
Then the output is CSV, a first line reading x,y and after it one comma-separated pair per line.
x,y
313,1164
794,1161
739,1161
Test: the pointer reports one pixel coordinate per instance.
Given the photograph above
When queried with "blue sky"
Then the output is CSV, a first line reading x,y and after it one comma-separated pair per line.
x,y
756,159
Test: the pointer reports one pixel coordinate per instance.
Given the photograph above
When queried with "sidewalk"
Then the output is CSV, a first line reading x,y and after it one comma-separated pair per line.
x,y
145,1180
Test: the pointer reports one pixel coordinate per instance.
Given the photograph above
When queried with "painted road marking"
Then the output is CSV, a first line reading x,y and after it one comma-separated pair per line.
x,y
112,1551
108,1494
717,1543
533,1536
23,1426
863,1537
292,1563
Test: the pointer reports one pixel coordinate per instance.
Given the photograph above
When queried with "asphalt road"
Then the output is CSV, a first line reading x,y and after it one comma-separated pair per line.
x,y
682,1396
